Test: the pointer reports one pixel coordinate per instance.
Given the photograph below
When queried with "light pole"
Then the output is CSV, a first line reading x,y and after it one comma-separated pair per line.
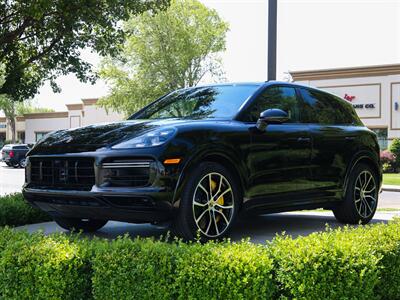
x,y
272,32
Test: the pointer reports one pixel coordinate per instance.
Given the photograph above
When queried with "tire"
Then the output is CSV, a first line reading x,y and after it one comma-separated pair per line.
x,y
22,163
202,216
73,224
8,164
361,198
15,164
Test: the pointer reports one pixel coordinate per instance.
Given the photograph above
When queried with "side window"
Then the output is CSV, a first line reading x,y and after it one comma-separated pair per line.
x,y
322,108
348,114
280,97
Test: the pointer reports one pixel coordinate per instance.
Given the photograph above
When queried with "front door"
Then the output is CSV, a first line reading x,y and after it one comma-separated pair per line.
x,y
279,156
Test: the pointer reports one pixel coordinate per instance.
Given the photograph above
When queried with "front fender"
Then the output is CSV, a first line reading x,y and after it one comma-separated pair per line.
x,y
227,156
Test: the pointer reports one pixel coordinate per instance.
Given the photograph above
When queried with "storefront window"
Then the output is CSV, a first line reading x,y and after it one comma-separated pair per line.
x,y
39,135
382,134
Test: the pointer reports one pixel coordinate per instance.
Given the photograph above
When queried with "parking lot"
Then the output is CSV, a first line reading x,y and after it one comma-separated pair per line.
x,y
11,180
259,228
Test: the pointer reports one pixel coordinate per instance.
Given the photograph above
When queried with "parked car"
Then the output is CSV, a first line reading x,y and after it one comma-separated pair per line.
x,y
14,155
200,156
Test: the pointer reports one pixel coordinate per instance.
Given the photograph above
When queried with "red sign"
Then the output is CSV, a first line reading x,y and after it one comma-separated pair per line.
x,y
349,98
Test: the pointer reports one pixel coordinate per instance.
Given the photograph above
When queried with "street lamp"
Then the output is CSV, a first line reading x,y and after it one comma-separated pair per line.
x,y
272,32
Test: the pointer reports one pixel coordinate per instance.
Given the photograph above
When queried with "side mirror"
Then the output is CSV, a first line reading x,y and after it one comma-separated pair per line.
x,y
271,116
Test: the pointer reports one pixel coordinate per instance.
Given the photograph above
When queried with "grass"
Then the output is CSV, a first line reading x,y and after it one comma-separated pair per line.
x,y
391,179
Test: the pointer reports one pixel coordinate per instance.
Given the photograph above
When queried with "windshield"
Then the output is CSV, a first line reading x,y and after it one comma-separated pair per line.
x,y
200,102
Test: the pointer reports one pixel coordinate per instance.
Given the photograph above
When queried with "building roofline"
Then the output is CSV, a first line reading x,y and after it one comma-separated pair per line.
x,y
366,71
78,106
47,115
89,101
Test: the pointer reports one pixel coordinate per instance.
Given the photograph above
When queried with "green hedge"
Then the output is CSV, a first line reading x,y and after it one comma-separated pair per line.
x,y
361,263
15,211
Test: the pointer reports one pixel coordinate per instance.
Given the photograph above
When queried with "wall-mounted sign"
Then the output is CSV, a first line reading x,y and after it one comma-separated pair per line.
x,y
365,98
349,98
360,106
3,125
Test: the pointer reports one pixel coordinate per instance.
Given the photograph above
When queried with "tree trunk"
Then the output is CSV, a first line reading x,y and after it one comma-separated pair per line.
x,y
11,123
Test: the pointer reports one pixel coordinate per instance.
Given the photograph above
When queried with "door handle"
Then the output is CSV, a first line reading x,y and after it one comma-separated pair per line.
x,y
350,138
303,139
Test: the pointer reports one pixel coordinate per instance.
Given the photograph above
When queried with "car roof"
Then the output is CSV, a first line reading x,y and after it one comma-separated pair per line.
x,y
255,83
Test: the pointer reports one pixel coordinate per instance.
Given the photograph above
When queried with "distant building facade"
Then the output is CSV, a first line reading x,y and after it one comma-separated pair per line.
x,y
31,127
374,92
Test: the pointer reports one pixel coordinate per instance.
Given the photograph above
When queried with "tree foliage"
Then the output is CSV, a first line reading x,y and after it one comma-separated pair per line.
x,y
12,109
173,49
42,39
395,149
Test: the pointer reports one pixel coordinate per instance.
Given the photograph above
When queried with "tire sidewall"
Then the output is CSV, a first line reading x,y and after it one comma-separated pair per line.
x,y
351,187
186,205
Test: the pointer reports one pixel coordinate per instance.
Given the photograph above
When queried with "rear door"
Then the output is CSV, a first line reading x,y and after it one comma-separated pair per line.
x,y
333,138
279,156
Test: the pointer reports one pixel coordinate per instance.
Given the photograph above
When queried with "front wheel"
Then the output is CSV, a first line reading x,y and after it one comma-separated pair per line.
x,y
361,199
86,225
209,203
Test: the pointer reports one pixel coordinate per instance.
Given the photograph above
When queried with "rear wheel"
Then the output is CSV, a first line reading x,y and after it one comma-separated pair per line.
x,y
22,163
361,199
209,203
8,164
86,225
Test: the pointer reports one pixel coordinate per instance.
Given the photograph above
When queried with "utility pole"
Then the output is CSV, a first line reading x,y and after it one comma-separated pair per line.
x,y
272,32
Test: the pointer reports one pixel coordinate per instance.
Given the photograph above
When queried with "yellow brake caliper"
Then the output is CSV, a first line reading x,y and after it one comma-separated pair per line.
x,y
220,200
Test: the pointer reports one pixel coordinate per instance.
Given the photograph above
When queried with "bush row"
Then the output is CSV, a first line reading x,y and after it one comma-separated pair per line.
x,y
15,211
361,263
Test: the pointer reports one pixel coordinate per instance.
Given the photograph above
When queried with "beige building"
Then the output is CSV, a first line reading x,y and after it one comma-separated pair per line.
x,y
374,92
31,127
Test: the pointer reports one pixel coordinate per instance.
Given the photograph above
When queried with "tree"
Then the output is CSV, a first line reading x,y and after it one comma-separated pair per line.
x,y
13,109
173,49
42,39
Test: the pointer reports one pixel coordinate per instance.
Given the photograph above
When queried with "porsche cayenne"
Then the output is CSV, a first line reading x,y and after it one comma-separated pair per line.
x,y
198,157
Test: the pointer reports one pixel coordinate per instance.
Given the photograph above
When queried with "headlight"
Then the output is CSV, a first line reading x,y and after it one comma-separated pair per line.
x,y
150,139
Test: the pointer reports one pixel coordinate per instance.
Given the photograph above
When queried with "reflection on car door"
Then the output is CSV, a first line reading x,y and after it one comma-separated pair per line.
x,y
279,156
333,139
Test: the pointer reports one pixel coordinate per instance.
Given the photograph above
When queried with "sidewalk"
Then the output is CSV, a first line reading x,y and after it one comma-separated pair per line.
x,y
391,188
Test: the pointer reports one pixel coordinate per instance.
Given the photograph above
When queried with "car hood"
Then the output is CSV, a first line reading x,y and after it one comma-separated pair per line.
x,y
94,137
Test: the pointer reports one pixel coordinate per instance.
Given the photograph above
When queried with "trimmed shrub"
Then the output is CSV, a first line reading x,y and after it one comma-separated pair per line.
x,y
395,149
328,265
134,269
228,270
385,243
347,263
15,211
40,267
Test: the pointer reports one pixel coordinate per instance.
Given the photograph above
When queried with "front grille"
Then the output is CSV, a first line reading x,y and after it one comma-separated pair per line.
x,y
62,173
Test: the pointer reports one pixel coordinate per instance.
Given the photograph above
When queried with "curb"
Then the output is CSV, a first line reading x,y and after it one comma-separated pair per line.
x,y
391,188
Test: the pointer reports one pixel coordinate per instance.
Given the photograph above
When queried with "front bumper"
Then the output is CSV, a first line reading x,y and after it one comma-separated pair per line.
x,y
151,203
141,206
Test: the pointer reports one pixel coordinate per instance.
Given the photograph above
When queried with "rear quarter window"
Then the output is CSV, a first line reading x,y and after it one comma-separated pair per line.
x,y
323,108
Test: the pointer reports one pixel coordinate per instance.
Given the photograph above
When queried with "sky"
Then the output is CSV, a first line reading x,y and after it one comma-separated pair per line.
x,y
312,34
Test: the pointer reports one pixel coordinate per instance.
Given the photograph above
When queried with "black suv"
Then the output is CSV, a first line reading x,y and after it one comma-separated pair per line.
x,y
201,155
14,155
